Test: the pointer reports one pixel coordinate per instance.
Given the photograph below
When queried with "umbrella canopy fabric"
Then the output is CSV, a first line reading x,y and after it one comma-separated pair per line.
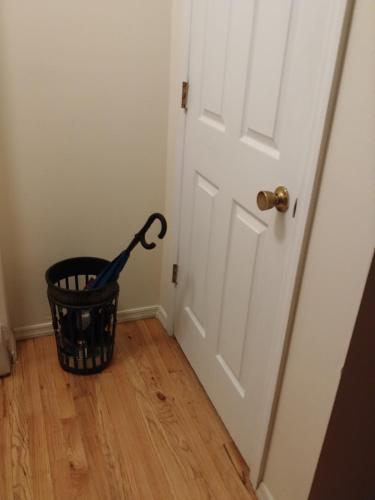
x,y
113,269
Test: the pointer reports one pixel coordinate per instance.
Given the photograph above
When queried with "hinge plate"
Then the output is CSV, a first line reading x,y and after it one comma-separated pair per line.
x,y
184,95
174,273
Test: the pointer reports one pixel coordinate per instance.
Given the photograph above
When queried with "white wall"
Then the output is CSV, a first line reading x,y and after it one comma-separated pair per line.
x,y
338,261
83,123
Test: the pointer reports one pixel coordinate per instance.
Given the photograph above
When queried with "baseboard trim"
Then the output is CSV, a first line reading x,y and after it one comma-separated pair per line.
x,y
33,331
42,329
263,493
137,313
162,316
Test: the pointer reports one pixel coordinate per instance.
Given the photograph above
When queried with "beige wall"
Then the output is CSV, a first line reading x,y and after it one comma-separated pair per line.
x,y
337,264
83,121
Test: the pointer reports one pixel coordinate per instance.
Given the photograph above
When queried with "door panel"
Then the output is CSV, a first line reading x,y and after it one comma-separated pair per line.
x,y
256,69
214,56
265,67
204,198
244,235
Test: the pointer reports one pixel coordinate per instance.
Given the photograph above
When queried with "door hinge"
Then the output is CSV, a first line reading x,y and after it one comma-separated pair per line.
x,y
174,273
184,95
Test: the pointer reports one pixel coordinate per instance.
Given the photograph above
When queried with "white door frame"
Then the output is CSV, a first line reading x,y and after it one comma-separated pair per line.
x,y
179,162
339,12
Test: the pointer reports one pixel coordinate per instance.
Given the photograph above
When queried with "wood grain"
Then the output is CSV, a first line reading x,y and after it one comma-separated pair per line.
x,y
142,429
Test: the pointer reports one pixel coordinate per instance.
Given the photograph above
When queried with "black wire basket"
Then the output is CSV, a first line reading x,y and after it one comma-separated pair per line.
x,y
84,320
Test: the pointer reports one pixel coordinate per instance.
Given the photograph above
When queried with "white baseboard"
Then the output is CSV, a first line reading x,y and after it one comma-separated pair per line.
x,y
33,331
42,329
161,315
137,313
263,493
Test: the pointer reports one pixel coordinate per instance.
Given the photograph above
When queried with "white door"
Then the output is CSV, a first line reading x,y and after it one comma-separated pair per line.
x,y
260,78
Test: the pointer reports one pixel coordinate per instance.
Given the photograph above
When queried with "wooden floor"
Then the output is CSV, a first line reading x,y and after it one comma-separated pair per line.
x,y
142,429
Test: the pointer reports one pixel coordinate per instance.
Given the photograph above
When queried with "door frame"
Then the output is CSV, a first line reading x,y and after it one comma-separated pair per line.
x,y
168,318
340,14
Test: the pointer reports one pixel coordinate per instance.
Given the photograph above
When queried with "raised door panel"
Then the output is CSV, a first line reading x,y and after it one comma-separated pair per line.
x,y
245,234
216,33
266,64
203,211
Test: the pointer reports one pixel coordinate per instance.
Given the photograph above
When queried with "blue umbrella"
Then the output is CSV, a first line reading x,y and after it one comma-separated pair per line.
x,y
113,269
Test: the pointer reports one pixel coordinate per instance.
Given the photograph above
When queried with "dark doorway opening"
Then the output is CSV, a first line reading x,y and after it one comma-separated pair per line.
x,y
346,468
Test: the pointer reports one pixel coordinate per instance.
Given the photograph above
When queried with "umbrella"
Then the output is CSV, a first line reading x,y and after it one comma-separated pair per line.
x,y
113,269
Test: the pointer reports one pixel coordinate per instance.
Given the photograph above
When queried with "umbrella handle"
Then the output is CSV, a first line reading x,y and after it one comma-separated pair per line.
x,y
141,235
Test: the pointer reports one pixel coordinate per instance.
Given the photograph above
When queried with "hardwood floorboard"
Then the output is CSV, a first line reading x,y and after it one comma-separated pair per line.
x,y
6,487
164,386
199,408
131,436
180,453
19,433
69,469
38,446
143,429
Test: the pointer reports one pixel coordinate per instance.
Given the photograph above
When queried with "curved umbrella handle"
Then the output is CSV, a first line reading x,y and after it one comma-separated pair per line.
x,y
141,235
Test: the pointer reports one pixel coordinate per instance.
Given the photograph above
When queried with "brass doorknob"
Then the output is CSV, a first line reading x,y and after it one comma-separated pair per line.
x,y
279,199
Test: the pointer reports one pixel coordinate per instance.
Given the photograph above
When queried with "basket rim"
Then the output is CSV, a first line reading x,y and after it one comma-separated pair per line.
x,y
86,292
